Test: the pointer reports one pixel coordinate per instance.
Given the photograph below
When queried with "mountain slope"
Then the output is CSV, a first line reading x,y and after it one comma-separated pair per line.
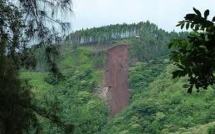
x,y
158,104
164,108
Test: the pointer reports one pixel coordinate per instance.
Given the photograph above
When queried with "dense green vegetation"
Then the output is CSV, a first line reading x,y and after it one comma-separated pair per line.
x,y
148,42
164,107
158,103
108,34
194,56
21,22
73,99
55,86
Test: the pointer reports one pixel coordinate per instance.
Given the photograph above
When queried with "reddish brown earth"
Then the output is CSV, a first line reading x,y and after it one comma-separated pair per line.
x,y
116,78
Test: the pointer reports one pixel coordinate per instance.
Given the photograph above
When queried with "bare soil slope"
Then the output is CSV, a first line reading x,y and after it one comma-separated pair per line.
x,y
116,78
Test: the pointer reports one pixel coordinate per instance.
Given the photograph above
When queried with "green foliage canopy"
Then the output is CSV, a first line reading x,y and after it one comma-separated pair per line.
x,y
195,56
20,22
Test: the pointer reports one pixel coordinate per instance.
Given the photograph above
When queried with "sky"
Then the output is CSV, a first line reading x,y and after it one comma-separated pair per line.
x,y
164,13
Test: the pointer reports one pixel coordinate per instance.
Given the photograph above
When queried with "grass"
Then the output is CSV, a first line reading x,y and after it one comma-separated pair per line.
x,y
36,80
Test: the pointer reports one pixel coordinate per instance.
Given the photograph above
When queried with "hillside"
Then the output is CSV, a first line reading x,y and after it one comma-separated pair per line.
x,y
165,107
158,103
146,40
73,99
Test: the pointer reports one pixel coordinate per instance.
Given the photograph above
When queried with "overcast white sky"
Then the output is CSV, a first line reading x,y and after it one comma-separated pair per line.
x,y
164,13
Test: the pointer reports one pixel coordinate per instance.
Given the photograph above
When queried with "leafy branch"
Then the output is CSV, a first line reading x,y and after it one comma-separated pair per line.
x,y
195,56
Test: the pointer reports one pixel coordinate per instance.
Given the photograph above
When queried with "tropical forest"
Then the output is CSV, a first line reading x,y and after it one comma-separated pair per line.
x,y
118,78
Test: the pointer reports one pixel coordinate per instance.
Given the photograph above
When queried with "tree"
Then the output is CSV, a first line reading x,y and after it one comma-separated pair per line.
x,y
195,56
21,22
